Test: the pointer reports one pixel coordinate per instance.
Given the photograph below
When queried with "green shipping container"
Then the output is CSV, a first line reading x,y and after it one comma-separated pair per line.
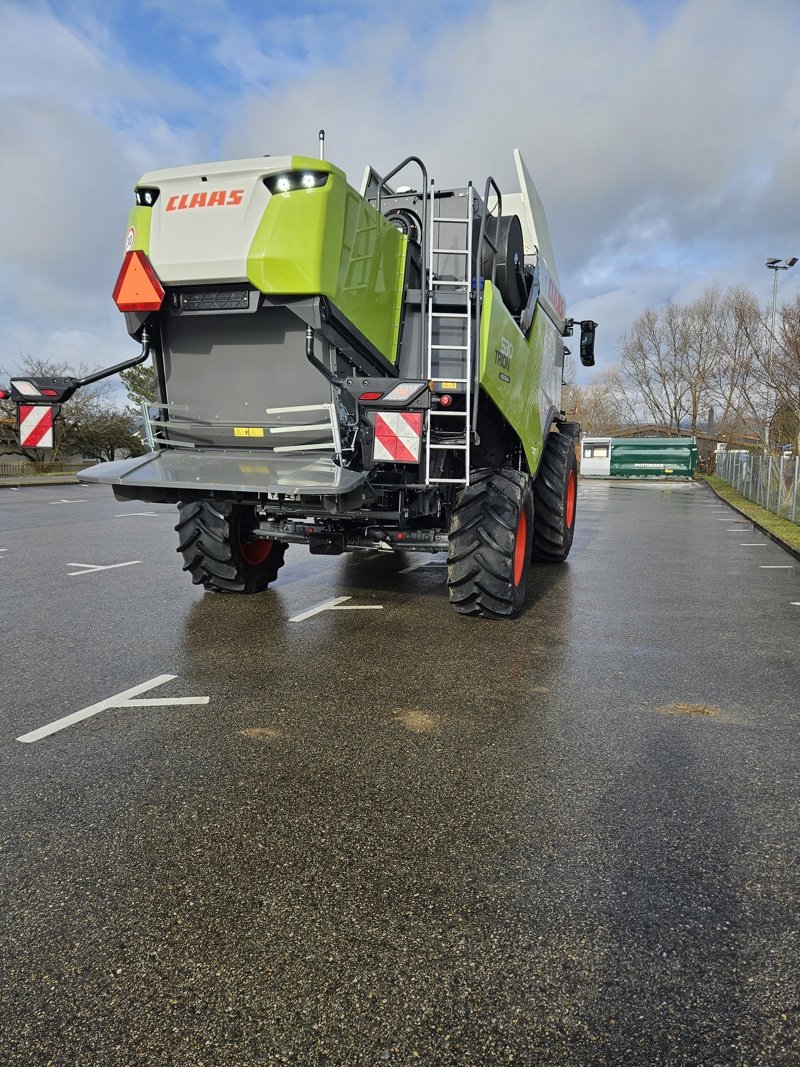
x,y
653,457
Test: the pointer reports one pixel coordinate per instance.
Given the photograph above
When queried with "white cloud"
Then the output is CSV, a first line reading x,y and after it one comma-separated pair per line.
x,y
666,149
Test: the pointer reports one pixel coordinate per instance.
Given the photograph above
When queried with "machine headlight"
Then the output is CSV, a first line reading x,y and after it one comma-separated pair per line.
x,y
296,179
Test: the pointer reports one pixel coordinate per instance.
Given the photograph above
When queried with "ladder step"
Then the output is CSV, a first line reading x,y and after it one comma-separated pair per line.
x,y
436,414
450,314
445,218
450,348
450,251
443,448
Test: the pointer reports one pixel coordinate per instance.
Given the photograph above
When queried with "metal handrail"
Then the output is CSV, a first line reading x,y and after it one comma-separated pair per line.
x,y
482,237
423,236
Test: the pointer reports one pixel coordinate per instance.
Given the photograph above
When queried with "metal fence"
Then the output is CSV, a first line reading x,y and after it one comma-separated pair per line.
x,y
771,481
25,469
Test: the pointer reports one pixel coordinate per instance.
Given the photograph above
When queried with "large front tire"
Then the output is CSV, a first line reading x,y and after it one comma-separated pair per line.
x,y
490,544
555,493
219,550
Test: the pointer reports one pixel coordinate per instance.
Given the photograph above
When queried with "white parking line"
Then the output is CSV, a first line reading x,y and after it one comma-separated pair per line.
x,y
775,567
81,500
752,544
337,603
128,514
121,700
90,568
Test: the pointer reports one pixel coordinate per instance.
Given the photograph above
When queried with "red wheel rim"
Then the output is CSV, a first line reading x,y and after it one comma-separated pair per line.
x,y
253,551
520,544
571,494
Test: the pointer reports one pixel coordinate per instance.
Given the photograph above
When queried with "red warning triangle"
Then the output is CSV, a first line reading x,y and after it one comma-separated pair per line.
x,y
138,287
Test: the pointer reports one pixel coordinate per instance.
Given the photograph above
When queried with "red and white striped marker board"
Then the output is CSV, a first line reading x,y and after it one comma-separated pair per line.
x,y
397,436
36,425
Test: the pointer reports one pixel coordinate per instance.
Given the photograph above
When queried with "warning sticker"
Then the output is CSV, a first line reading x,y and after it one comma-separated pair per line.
x,y
248,431
397,436
36,425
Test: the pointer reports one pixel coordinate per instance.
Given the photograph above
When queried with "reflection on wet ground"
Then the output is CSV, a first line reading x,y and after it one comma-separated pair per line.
x,y
405,835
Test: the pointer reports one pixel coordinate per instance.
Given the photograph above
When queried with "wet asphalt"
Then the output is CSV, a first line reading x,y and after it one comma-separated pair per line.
x,y
393,834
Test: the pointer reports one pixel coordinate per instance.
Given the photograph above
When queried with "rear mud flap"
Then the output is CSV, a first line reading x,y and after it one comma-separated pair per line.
x,y
170,476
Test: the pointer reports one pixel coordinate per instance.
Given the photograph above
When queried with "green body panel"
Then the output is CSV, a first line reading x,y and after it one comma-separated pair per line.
x,y
329,241
653,457
139,222
506,354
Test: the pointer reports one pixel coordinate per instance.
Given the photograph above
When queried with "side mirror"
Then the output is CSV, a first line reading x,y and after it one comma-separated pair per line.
x,y
587,342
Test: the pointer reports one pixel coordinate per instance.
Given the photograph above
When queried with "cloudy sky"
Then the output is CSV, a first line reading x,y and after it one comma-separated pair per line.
x,y
664,135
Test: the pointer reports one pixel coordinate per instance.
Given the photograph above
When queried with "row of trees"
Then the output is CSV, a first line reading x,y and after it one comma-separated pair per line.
x,y
96,424
713,364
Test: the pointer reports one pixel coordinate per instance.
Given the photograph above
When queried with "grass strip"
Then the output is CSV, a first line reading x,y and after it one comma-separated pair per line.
x,y
783,530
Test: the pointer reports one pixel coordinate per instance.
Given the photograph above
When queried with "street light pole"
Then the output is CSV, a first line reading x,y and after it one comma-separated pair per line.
x,y
774,265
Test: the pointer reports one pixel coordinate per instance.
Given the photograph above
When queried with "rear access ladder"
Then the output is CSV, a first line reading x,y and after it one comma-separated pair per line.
x,y
450,315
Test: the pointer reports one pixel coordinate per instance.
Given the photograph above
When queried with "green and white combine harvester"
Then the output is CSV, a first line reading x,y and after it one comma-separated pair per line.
x,y
351,370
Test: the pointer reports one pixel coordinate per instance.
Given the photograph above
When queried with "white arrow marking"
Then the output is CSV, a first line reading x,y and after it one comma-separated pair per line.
x,y
121,700
338,603
90,568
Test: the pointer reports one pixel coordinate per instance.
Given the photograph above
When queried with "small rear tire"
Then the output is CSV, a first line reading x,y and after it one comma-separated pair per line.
x,y
555,493
490,544
220,551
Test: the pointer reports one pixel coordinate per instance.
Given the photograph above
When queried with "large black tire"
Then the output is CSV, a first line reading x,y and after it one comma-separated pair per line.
x,y
555,494
490,544
218,551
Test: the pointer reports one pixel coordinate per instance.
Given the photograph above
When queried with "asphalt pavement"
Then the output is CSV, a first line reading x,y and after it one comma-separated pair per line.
x,y
336,823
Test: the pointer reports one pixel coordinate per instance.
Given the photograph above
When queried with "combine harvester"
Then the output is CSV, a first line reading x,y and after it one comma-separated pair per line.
x,y
376,369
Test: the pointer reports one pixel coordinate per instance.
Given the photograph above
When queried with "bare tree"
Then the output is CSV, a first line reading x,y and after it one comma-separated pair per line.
x,y
785,370
597,406
652,368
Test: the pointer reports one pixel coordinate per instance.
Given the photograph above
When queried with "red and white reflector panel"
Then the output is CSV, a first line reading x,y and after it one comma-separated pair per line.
x,y
398,435
138,287
36,425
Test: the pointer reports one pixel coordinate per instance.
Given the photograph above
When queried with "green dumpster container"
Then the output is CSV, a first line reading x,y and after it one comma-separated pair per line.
x,y
653,457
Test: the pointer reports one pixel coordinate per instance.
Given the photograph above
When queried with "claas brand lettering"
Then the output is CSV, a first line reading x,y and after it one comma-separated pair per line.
x,y
349,369
218,198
